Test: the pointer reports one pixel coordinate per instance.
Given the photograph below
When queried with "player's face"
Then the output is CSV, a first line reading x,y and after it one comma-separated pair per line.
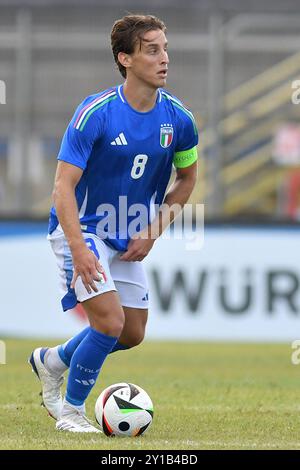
x,y
149,62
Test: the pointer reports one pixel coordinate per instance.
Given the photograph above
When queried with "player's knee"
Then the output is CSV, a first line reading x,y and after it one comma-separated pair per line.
x,y
116,326
111,325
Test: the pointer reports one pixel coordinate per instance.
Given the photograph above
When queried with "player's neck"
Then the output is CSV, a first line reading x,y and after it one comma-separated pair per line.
x,y
140,97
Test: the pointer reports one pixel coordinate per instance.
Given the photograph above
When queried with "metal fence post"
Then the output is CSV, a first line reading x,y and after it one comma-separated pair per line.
x,y
215,94
18,157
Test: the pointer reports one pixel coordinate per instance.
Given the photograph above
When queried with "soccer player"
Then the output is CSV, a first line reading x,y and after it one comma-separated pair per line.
x,y
115,162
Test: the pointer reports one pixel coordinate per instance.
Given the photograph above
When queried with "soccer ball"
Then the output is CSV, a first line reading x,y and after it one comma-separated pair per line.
x,y
124,409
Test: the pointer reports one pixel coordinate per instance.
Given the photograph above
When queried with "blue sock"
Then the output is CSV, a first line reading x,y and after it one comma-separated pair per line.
x,y
85,365
118,347
67,349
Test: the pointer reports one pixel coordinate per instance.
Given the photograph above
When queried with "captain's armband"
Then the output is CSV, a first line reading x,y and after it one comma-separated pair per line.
x,y
185,158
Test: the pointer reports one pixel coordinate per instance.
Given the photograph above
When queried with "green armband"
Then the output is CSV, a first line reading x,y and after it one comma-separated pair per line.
x,y
185,158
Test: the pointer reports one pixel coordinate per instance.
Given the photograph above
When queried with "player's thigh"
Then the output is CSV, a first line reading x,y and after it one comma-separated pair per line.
x,y
134,328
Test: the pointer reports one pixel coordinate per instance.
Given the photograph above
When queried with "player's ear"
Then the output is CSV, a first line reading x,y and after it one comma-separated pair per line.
x,y
124,59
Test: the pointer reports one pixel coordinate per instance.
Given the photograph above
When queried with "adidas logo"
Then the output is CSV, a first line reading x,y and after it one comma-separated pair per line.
x,y
86,382
120,140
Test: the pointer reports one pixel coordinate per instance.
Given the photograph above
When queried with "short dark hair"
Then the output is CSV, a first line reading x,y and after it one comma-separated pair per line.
x,y
128,30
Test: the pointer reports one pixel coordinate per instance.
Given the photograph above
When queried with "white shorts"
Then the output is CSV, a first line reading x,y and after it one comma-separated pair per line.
x,y
128,278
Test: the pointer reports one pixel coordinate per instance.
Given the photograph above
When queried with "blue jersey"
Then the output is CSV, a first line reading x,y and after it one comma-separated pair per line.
x,y
126,157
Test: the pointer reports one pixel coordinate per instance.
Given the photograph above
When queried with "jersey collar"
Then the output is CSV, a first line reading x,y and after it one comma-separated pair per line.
x,y
123,99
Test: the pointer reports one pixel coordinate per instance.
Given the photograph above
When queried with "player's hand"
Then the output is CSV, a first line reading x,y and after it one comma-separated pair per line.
x,y
87,266
138,248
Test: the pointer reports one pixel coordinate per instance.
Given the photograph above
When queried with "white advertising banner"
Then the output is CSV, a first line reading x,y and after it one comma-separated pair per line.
x,y
243,285
30,303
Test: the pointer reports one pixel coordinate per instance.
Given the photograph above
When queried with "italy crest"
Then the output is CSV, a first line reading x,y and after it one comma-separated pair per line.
x,y
166,135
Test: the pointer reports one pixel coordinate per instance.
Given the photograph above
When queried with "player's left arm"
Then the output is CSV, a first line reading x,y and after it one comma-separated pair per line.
x,y
185,162
175,199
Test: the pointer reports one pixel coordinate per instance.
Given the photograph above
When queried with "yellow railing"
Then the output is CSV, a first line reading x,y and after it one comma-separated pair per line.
x,y
262,82
252,113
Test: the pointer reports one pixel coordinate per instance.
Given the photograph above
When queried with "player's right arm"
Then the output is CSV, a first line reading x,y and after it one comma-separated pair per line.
x,y
85,263
76,148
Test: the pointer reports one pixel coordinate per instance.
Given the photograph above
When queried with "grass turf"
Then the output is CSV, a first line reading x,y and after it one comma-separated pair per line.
x,y
206,396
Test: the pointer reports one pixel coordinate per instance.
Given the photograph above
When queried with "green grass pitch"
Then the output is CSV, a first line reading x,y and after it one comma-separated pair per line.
x,y
206,396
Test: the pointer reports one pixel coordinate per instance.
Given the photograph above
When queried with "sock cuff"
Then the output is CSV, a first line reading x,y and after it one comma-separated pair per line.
x,y
105,341
72,401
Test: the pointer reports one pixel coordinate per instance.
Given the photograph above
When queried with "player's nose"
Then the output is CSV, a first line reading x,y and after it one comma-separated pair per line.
x,y
164,57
